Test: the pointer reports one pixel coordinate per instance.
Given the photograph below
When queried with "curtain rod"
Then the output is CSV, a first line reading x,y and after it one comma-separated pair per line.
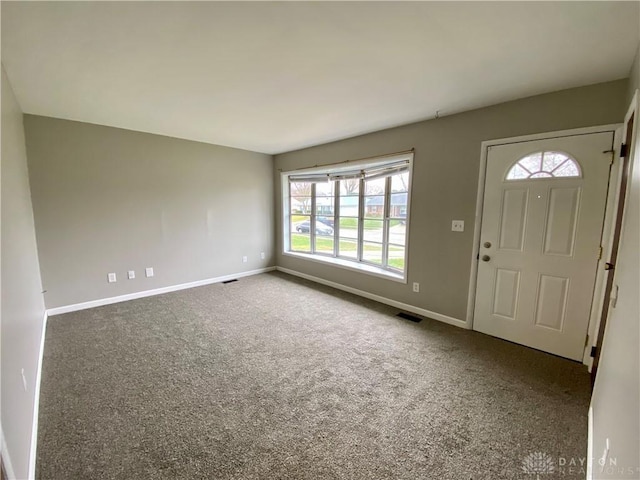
x,y
376,157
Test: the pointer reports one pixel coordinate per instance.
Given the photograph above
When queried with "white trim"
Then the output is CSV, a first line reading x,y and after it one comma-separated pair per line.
x,y
6,458
477,226
387,301
352,166
36,402
150,293
589,475
606,242
612,127
473,277
352,265
608,233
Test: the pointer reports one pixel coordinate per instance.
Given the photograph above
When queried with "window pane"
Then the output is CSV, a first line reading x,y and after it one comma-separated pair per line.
x,y
533,162
569,169
375,187
325,189
551,160
324,206
396,257
350,187
324,244
348,247
300,189
300,242
323,230
300,223
300,238
398,208
517,173
348,227
544,165
397,232
373,231
349,206
400,183
374,206
328,220
372,252
300,205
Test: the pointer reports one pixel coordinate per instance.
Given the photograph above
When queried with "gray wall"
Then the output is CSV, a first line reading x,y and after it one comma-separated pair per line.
x,y
111,200
634,77
445,178
22,303
616,394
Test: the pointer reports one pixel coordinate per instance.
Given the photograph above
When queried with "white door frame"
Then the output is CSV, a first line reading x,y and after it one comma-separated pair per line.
x,y
612,194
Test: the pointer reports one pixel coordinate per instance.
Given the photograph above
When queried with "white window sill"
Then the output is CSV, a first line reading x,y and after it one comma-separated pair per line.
x,y
349,265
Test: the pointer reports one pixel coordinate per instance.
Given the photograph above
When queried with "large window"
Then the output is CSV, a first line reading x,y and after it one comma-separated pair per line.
x,y
350,216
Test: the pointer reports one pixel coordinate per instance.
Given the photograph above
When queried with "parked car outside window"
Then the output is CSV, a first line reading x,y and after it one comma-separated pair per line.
x,y
321,228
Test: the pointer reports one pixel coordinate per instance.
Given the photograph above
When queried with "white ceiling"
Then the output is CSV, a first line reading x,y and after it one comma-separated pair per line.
x,y
278,76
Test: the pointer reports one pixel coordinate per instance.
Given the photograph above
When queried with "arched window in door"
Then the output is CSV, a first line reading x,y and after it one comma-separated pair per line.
x,y
544,165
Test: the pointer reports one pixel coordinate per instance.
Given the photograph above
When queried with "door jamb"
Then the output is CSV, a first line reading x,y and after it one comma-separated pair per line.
x,y
633,110
615,128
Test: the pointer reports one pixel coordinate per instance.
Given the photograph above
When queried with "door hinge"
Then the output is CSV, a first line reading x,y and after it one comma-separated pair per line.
x,y
623,150
600,253
609,266
594,350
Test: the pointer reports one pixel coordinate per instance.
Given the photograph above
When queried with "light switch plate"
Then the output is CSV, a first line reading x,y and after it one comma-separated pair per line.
x,y
457,225
148,272
131,274
111,277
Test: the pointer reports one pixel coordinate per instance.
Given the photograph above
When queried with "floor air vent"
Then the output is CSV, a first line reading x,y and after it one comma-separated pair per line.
x,y
408,316
230,281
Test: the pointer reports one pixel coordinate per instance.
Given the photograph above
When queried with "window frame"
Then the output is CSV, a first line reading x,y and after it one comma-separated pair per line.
x,y
550,174
369,169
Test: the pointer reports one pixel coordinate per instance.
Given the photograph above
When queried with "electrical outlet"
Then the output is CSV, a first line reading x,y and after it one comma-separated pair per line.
x,y
245,259
416,287
131,274
111,278
24,380
262,255
457,226
148,272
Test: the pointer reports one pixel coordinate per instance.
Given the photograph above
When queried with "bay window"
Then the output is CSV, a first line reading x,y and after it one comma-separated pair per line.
x,y
351,214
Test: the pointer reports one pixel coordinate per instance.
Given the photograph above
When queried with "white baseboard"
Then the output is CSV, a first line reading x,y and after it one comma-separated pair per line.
x,y
36,404
150,293
6,458
387,301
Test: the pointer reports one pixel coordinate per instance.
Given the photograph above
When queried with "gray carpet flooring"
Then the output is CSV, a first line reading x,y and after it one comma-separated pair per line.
x,y
273,377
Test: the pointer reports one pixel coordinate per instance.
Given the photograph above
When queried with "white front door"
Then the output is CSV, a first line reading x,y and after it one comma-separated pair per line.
x,y
543,212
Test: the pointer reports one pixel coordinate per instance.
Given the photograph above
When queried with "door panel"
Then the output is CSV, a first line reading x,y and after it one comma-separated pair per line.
x,y
561,222
540,240
552,301
506,293
514,212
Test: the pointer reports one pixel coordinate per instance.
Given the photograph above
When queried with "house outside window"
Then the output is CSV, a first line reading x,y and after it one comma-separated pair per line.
x,y
353,215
